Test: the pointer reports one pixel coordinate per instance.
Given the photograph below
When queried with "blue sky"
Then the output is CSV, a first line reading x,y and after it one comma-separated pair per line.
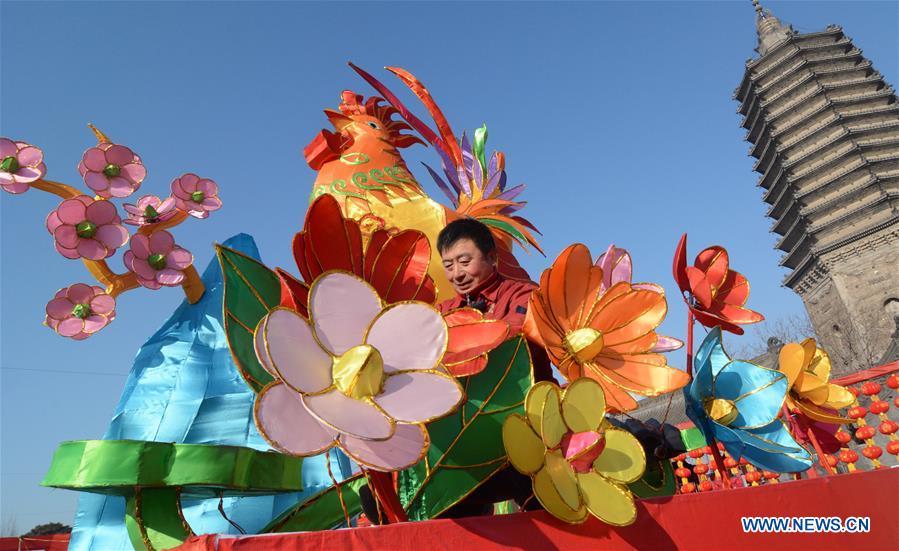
x,y
618,116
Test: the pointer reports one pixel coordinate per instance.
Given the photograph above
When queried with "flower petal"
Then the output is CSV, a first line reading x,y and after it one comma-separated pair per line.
x,y
134,172
120,187
774,433
287,425
259,347
179,258
294,354
119,155
609,502
419,396
59,308
112,236
139,266
101,212
357,418
161,242
70,327
548,496
92,250
102,304
405,448
97,181
410,335
563,478
94,323
169,277
757,392
583,405
342,307
30,156
94,159
66,235
623,459
523,445
140,246
533,404
551,422
630,316
71,211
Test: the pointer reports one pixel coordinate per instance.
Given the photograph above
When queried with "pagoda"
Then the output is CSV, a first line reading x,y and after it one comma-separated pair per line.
x,y
824,131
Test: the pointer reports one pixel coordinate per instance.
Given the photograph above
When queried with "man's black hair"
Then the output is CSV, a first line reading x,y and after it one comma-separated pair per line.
x,y
466,228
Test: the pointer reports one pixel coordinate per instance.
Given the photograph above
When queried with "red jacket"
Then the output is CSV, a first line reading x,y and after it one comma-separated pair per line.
x,y
505,299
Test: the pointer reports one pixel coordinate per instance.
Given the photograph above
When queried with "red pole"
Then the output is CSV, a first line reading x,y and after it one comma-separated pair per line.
x,y
689,342
719,462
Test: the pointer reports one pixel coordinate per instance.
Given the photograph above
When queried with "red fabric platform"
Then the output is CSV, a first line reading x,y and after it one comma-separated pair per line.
x,y
694,521
55,542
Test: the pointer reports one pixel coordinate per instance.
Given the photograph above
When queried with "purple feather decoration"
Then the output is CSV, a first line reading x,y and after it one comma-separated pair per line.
x,y
453,197
512,193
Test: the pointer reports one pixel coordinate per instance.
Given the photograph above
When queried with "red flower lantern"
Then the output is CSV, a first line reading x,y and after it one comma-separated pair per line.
x,y
872,452
865,432
879,407
893,447
688,488
848,456
705,486
857,412
888,427
870,388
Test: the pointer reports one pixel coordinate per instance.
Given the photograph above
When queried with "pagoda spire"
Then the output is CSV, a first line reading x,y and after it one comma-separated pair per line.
x,y
769,28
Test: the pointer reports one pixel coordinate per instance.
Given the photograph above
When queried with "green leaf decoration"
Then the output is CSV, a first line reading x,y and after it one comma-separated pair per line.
x,y
153,477
657,481
251,290
322,511
479,146
467,446
507,228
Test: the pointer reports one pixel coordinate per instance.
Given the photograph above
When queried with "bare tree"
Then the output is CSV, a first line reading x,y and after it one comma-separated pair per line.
x,y
758,338
9,527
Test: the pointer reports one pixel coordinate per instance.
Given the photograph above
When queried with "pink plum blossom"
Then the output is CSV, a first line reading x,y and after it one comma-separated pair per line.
x,y
617,267
112,170
20,164
356,374
80,311
156,260
196,196
150,210
86,228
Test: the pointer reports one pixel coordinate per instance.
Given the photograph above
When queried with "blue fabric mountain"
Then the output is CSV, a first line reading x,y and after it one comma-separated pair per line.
x,y
184,387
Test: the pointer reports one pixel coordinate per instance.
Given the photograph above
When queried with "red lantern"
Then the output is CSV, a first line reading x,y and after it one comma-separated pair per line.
x,y
753,476
893,447
688,488
743,461
843,437
896,401
682,472
848,456
705,486
770,475
681,457
853,390
730,462
863,433
870,388
829,460
872,452
720,447
857,412
888,427
707,450
879,407
697,453
701,468
893,381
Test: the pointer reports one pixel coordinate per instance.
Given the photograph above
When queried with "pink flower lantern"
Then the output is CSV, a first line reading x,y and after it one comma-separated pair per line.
x,y
20,164
196,196
86,228
156,260
80,311
112,170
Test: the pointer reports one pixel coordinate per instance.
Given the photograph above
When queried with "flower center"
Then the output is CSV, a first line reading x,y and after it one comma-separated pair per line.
x,y
111,170
359,372
86,229
151,214
9,164
721,410
81,311
197,196
156,261
583,344
582,448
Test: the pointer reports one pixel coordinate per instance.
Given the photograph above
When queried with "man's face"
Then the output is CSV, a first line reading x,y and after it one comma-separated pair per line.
x,y
466,266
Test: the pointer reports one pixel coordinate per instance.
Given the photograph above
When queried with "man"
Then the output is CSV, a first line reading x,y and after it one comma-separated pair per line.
x,y
469,257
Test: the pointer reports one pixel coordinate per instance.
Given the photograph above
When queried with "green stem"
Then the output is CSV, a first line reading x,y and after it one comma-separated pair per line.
x,y
154,520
